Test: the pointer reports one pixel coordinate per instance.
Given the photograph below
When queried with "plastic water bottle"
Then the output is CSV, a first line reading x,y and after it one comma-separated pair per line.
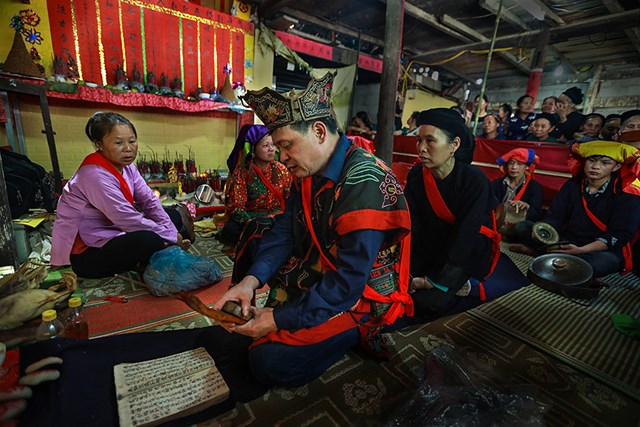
x,y
50,326
76,325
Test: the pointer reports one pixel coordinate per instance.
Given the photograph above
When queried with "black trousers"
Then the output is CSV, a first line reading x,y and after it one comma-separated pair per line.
x,y
130,251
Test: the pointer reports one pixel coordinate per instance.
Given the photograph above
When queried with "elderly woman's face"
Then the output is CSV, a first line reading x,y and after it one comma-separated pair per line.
x,y
119,146
564,105
591,127
265,149
433,146
542,128
489,124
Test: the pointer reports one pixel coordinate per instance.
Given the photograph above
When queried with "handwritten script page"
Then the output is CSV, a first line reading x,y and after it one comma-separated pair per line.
x,y
156,391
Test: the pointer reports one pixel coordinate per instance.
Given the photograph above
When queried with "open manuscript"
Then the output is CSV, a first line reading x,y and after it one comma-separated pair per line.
x,y
159,390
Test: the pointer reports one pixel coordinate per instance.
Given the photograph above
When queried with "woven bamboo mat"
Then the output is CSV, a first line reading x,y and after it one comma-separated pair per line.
x,y
581,336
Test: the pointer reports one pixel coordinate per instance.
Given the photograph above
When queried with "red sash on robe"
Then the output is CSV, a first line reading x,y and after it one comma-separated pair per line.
x,y
442,211
523,189
627,254
99,160
399,299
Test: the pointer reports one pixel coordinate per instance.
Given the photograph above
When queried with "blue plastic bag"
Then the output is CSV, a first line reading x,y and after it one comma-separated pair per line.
x,y
174,270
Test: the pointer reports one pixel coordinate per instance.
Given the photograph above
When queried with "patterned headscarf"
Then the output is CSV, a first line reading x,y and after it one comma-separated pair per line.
x,y
522,155
248,137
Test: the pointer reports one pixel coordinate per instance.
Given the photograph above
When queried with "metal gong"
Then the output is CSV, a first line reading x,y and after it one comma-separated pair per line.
x,y
563,274
545,233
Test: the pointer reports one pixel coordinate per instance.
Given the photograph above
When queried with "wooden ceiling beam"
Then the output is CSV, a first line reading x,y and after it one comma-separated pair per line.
x,y
457,30
595,25
332,26
548,12
510,17
475,35
269,7
633,33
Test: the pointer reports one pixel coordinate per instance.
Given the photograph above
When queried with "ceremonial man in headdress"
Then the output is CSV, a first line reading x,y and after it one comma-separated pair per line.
x,y
333,259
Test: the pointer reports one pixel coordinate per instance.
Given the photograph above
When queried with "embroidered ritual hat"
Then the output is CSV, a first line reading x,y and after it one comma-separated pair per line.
x,y
278,110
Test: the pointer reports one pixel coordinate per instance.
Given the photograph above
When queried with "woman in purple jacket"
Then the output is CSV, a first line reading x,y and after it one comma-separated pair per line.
x,y
108,220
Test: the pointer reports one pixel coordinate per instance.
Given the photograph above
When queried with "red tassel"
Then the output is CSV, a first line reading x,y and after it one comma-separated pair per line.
x,y
483,296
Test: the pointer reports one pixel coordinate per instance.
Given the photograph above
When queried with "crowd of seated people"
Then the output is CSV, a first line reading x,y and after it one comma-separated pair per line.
x,y
559,120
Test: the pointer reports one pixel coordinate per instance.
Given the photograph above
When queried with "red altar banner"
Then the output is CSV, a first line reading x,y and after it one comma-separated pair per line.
x,y
369,63
305,46
552,170
179,39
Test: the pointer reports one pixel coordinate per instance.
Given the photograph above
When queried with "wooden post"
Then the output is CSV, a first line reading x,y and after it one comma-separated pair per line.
x,y
594,88
389,79
537,65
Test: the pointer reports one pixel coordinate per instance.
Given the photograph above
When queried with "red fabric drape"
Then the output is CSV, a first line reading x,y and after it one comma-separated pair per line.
x,y
86,12
98,23
206,56
190,53
238,57
60,18
132,42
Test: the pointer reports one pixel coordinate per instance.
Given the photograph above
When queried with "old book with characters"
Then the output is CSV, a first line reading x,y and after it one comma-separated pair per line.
x,y
159,390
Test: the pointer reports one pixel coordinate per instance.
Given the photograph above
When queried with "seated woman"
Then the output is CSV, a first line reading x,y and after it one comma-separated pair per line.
x,y
361,126
108,220
259,184
518,124
569,118
590,128
598,211
518,189
453,234
542,127
491,127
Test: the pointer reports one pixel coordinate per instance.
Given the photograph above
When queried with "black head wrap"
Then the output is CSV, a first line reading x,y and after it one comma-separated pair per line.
x,y
628,114
444,118
553,119
590,116
574,94
612,117
451,121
